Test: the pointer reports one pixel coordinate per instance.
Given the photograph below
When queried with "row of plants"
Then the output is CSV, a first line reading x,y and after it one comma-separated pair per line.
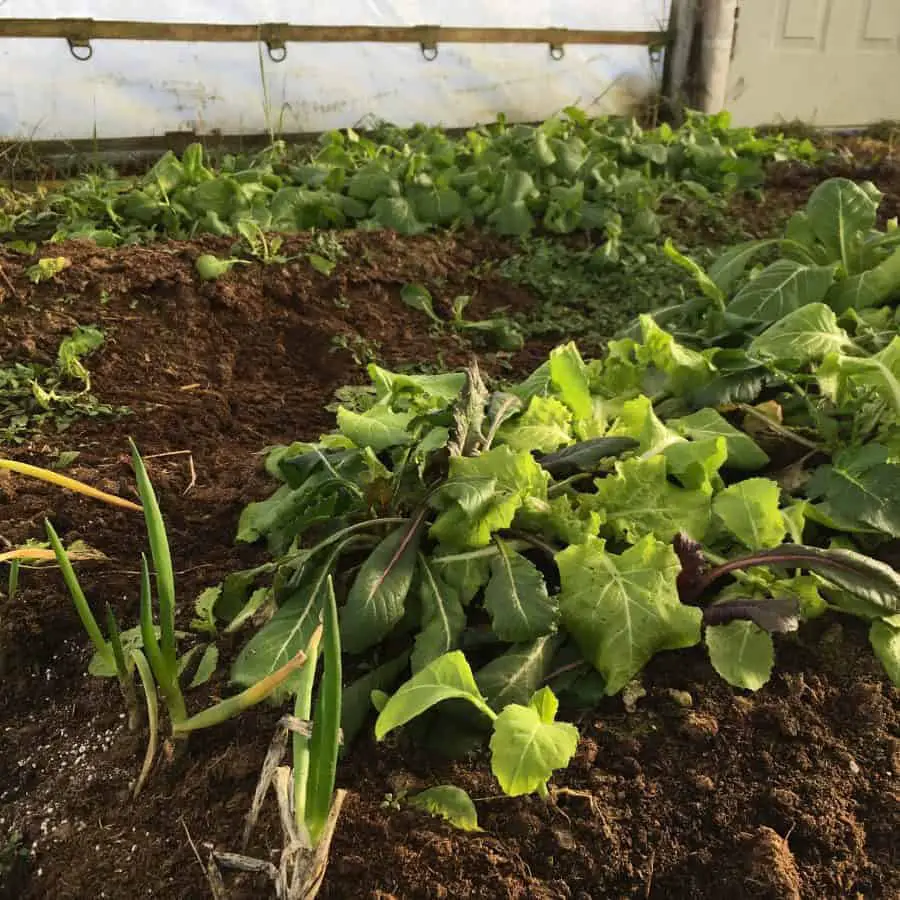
x,y
725,473
568,173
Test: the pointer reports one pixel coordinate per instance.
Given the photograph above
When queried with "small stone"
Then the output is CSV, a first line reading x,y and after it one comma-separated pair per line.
x,y
631,768
564,839
680,698
704,783
631,693
699,726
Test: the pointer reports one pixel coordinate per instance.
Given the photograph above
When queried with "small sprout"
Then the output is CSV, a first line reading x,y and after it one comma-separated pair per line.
x,y
211,268
47,268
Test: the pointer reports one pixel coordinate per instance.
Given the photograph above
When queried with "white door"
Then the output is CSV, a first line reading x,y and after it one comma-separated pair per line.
x,y
826,62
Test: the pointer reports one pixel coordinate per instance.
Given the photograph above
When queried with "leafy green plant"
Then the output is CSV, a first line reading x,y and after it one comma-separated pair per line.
x,y
306,796
569,173
211,268
152,649
47,268
502,331
33,396
527,742
831,254
553,510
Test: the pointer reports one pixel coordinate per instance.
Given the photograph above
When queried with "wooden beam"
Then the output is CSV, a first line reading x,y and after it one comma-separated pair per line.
x,y
83,30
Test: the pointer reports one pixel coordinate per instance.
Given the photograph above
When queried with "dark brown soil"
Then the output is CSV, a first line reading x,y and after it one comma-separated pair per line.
x,y
699,792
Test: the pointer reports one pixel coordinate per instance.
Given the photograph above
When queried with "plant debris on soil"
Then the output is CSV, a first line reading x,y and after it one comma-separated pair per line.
x,y
699,791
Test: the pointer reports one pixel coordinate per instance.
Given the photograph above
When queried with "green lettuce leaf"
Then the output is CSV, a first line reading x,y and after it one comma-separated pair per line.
x,y
622,609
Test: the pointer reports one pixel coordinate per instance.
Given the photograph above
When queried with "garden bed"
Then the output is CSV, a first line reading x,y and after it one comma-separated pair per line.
x,y
698,791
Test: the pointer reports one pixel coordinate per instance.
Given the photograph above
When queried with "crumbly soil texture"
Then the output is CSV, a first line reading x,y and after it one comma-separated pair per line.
x,y
698,791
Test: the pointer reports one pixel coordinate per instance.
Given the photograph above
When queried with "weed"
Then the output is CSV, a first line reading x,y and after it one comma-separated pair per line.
x,y
363,350
33,395
47,268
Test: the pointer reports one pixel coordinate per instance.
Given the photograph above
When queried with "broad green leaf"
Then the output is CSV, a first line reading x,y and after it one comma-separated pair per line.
x,y
449,802
545,426
743,451
726,271
803,335
639,500
867,289
518,673
466,575
285,634
398,214
448,677
749,510
378,428
885,640
742,653
471,523
516,598
428,391
377,599
707,286
696,464
528,745
686,369
436,206
840,212
356,703
862,486
637,420
443,618
622,609
417,296
569,376
779,289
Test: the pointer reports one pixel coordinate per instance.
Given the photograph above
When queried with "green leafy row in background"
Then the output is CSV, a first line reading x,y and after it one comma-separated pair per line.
x,y
831,254
569,173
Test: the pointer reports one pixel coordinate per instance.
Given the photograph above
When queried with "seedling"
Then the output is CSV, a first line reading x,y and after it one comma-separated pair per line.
x,y
155,654
307,801
48,268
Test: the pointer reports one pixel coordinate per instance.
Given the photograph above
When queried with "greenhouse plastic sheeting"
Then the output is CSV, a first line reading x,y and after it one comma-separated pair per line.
x,y
129,88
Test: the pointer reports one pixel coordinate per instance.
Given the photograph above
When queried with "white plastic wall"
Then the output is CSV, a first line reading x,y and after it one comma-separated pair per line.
x,y
131,89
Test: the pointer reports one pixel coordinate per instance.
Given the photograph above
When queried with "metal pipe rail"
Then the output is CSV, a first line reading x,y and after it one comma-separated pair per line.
x,y
80,32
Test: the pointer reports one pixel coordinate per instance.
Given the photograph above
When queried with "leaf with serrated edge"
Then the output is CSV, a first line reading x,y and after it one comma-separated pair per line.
x,y
622,609
443,618
377,598
516,597
450,802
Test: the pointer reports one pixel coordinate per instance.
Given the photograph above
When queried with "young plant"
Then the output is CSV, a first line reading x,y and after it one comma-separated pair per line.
x,y
527,744
153,649
307,800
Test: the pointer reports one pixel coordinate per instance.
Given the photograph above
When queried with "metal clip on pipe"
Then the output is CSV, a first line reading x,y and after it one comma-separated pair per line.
x,y
80,44
557,51
271,36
